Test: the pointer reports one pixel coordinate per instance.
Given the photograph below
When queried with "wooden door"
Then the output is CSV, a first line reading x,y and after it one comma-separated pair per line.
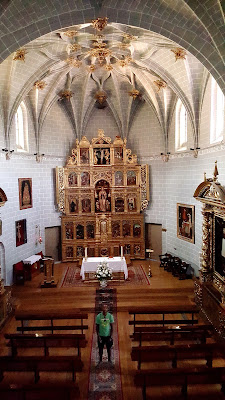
x,y
153,239
53,242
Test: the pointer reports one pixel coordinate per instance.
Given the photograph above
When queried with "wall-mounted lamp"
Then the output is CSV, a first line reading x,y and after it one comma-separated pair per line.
x,y
8,153
38,235
165,157
39,157
195,151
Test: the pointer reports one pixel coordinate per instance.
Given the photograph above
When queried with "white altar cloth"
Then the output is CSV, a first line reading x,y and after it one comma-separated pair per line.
x,y
116,263
32,259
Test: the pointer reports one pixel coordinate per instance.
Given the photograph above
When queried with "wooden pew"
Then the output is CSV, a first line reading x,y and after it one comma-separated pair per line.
x,y
176,352
23,316
65,391
37,364
179,377
162,311
162,333
49,340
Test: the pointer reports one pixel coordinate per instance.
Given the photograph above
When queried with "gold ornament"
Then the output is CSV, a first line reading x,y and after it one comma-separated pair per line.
x,y
128,36
92,68
125,61
71,33
40,85
73,62
20,55
108,67
160,84
179,53
66,94
101,96
134,93
74,47
100,23
100,52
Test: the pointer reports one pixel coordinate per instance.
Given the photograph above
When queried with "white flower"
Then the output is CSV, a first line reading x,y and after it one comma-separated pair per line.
x,y
103,271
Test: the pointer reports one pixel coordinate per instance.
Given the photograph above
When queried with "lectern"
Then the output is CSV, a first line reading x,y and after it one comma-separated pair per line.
x,y
49,273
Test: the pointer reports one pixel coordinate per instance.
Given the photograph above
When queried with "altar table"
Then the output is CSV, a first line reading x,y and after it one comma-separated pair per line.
x,y
117,264
31,266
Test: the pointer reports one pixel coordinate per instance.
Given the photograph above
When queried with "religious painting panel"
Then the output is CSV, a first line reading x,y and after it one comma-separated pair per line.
x,y
91,251
118,178
90,230
126,228
25,193
119,204
69,252
84,156
85,178
72,179
185,222
137,249
116,251
21,232
69,230
86,205
131,178
118,155
3,197
79,231
219,245
115,229
104,252
80,251
131,203
102,156
73,205
102,196
126,249
136,230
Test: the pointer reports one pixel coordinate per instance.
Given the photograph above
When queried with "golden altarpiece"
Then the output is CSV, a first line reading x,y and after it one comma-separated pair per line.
x,y
210,287
102,192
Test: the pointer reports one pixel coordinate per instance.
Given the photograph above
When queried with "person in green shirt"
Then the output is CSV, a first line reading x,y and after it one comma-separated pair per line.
x,y
104,328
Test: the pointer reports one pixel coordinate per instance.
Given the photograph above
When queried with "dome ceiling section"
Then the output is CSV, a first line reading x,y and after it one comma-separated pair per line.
x,y
74,65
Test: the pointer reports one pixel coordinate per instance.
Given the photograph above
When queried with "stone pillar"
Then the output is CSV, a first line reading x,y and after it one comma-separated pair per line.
x,y
205,273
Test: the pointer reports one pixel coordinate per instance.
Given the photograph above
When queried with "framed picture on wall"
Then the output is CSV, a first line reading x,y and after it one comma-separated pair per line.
x,y
186,222
21,232
25,193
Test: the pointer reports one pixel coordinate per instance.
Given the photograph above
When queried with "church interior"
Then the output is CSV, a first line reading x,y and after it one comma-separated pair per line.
x,y
112,194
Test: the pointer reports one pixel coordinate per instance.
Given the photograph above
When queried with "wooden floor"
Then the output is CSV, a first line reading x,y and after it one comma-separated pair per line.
x,y
163,289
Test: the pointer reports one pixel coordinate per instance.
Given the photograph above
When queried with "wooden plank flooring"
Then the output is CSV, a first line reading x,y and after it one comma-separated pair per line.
x,y
163,289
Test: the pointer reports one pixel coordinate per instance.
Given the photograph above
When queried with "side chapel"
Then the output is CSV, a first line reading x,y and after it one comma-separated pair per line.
x,y
102,192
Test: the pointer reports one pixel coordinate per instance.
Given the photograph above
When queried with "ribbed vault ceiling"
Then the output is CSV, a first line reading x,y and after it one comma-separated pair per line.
x,y
78,64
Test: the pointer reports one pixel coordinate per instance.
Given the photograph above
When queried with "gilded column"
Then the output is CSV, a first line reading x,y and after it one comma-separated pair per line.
x,y
205,271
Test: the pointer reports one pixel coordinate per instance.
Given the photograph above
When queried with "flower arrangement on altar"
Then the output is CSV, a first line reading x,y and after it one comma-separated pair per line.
x,y
103,271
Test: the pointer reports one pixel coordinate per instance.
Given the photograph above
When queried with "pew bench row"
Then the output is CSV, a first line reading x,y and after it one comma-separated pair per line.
x,y
182,377
39,392
37,364
16,341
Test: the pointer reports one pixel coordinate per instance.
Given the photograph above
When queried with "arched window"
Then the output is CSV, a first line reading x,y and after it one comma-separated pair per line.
x,y
181,127
217,113
21,128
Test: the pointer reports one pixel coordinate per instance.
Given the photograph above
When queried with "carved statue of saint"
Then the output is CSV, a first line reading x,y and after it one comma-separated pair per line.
x,y
102,199
103,227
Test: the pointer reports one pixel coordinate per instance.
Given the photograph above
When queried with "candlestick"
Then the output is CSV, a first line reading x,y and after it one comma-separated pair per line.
x,y
85,253
121,251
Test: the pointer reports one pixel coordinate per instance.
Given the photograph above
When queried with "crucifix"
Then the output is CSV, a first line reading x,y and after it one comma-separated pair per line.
x,y
18,226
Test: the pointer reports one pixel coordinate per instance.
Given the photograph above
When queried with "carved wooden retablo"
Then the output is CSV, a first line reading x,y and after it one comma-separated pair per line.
x,y
101,192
